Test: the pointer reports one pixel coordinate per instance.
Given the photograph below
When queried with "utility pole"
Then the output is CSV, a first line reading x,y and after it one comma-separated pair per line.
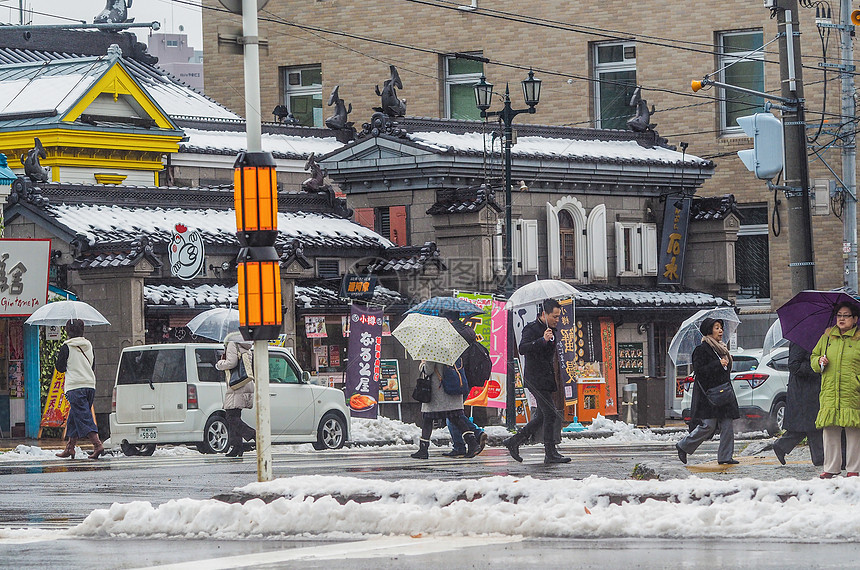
x,y
849,146
801,260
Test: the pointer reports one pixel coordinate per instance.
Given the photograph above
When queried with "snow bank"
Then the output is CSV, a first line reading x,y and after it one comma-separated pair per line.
x,y
591,508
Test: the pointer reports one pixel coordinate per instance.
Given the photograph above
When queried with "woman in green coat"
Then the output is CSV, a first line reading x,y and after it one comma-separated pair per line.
x,y
837,358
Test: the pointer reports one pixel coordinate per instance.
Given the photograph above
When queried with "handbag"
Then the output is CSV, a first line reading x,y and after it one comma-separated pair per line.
x,y
454,381
721,395
421,393
243,372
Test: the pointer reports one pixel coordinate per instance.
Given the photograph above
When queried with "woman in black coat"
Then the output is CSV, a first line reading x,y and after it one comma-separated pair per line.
x,y
801,408
712,365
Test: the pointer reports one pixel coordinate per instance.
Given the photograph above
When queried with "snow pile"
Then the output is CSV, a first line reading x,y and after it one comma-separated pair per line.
x,y
174,451
515,506
625,433
30,452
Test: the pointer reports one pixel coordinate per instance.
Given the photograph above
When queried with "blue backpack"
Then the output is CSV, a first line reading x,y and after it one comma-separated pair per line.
x,y
454,380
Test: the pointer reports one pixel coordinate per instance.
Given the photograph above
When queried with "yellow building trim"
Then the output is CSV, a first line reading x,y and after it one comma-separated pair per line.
x,y
110,178
104,163
55,173
116,81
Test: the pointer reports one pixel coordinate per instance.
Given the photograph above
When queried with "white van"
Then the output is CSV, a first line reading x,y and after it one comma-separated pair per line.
x,y
172,393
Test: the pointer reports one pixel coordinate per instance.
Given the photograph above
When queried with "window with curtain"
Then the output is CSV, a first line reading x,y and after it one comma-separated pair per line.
x,y
460,78
303,94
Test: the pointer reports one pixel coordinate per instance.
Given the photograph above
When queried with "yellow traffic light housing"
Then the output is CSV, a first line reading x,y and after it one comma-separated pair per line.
x,y
855,17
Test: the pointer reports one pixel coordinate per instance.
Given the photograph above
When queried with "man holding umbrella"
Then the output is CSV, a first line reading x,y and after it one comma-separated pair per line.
x,y
538,345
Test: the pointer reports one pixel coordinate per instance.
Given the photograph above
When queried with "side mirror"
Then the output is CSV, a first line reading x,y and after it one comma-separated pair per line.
x,y
306,377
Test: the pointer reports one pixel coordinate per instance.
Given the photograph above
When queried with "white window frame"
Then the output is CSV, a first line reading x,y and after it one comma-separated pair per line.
x,y
300,90
459,79
524,247
627,64
724,59
643,249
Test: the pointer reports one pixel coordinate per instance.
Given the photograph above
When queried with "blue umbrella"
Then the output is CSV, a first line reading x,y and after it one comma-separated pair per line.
x,y
435,306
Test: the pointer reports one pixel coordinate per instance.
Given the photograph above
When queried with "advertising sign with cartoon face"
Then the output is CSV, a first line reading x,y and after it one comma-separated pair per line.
x,y
185,253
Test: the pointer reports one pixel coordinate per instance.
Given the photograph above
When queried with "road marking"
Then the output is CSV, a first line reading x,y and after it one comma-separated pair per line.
x,y
373,548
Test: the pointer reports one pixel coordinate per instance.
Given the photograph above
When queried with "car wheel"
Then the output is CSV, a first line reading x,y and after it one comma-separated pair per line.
x,y
133,449
331,433
215,435
777,418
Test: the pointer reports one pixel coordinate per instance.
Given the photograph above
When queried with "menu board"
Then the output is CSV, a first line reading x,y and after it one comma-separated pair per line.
x,y
630,358
389,382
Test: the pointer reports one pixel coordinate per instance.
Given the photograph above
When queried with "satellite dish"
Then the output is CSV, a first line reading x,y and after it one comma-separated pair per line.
x,y
235,6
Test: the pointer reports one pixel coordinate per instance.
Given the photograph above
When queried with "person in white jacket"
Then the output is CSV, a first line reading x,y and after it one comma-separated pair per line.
x,y
77,360
239,399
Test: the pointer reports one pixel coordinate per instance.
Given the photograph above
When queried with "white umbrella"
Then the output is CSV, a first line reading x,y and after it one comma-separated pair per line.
x,y
688,336
59,312
215,323
540,290
773,338
426,337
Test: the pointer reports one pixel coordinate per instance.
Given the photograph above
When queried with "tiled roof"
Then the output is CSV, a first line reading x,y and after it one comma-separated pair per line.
x,y
463,200
407,258
190,296
325,295
283,142
714,208
606,297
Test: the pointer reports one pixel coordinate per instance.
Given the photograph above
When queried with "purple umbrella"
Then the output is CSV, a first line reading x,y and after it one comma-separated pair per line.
x,y
806,315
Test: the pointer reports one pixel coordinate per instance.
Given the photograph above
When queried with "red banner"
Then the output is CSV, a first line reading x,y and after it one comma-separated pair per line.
x,y
607,343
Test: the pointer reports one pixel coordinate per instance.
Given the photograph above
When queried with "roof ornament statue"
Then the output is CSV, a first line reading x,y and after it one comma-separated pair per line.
x,y
317,184
115,12
294,251
22,190
283,115
32,168
391,105
343,128
641,121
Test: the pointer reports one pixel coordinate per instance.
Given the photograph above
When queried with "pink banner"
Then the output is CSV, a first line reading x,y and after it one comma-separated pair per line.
x,y
493,394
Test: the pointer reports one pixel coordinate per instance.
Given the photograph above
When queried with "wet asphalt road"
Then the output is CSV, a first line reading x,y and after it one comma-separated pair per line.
x,y
61,493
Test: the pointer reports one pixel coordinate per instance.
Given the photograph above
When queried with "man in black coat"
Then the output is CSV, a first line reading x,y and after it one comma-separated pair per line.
x,y
801,408
538,345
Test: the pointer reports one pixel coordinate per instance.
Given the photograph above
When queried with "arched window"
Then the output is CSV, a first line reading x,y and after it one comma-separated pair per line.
x,y
567,245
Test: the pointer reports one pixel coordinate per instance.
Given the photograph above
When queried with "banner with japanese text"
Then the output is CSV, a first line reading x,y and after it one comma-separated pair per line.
x,y
23,276
363,367
567,351
56,405
493,394
481,323
607,342
673,245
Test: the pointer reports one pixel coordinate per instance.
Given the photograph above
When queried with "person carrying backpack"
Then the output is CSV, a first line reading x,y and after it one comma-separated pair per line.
x,y
474,369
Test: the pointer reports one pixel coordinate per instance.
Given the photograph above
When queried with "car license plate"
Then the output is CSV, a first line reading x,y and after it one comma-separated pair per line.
x,y
147,434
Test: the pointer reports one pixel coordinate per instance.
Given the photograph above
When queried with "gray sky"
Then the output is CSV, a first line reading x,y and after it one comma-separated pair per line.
x,y
170,14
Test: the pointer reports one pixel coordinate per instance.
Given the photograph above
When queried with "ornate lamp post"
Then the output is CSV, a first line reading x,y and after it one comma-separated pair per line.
x,y
483,98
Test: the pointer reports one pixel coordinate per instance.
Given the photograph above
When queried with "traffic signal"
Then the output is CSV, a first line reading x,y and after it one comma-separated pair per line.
x,y
855,17
765,159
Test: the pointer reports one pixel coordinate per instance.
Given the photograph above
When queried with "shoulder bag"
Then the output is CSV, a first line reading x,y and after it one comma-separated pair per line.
x,y
243,373
421,393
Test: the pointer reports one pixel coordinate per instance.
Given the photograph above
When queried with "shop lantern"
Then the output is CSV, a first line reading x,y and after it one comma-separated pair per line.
x,y
255,197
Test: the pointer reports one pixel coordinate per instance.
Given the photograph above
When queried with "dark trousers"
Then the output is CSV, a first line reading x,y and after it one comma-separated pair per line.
x,y
546,418
458,420
790,439
237,430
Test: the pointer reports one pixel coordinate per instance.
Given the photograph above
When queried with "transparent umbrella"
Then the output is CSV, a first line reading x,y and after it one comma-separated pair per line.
x,y
688,336
773,338
59,312
215,323
540,290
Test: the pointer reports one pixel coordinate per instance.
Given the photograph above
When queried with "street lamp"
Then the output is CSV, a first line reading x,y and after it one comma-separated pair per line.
x,y
483,98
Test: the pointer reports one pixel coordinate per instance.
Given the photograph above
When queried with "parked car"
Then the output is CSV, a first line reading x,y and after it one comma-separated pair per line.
x,y
172,393
760,388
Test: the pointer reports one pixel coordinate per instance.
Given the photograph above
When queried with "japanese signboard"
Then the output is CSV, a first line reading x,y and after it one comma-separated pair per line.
x,y
389,382
494,336
630,358
23,276
56,405
357,286
481,323
566,348
363,367
607,344
185,252
676,221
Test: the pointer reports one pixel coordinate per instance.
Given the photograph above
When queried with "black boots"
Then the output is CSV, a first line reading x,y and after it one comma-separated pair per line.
x,y
98,448
551,455
423,446
473,448
513,445
235,451
70,449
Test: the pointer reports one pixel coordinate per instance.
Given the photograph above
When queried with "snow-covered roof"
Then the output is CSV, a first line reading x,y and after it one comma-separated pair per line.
x,y
622,151
280,145
173,96
608,297
47,87
102,223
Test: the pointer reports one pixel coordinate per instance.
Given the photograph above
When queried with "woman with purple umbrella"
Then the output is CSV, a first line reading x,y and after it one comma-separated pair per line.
x,y
837,358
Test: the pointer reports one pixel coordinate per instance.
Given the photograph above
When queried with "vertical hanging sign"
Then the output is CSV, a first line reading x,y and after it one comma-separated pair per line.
x,y
676,221
363,368
567,351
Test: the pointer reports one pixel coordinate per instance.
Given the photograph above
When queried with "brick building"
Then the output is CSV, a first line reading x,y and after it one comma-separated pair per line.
x,y
588,56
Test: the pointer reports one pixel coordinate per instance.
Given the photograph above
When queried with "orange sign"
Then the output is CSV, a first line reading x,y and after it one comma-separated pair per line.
x,y
607,341
56,406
